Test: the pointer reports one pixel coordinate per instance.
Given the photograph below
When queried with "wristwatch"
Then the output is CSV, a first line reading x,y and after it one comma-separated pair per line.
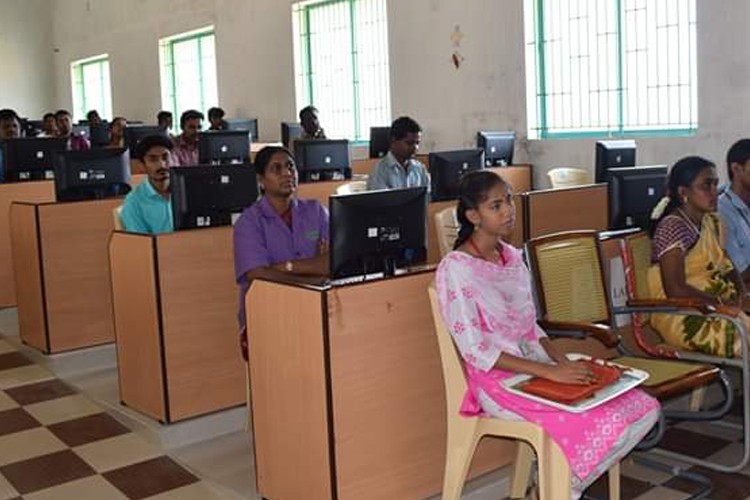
x,y
289,266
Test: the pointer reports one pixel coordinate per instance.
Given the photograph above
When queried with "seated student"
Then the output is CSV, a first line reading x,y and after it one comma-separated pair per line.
x,y
117,132
398,169
185,151
65,130
311,129
148,208
216,119
734,208
279,235
49,126
93,117
689,261
486,302
10,125
164,120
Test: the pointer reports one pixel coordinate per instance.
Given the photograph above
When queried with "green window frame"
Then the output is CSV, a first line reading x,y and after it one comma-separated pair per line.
x,y
611,68
188,71
341,64
91,86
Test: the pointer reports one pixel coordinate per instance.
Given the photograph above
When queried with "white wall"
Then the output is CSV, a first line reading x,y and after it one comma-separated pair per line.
x,y
26,56
254,58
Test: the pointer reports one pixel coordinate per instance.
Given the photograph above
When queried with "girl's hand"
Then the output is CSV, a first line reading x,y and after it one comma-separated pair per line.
x,y
570,372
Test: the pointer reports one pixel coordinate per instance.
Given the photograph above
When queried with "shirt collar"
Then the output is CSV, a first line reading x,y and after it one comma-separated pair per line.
x,y
267,210
394,163
734,199
151,191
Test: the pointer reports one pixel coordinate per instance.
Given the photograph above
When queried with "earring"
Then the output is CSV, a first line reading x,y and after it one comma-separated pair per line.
x,y
684,200
477,226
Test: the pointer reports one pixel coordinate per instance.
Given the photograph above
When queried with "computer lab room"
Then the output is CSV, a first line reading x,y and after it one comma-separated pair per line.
x,y
374,250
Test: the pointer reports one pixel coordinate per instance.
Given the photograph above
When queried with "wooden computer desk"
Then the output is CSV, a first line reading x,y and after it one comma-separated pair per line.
x,y
347,392
61,273
175,320
36,191
551,210
320,191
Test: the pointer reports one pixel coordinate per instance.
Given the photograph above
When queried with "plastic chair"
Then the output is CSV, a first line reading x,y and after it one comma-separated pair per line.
x,y
446,229
117,219
352,187
564,177
464,433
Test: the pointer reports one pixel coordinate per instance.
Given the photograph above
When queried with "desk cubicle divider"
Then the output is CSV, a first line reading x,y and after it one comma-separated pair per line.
x,y
552,210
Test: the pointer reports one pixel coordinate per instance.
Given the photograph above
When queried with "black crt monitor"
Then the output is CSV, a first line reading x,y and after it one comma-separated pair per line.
x,y
99,134
248,124
447,168
82,130
322,160
32,128
135,134
289,132
32,159
91,175
377,231
210,195
613,154
497,146
633,193
221,147
380,141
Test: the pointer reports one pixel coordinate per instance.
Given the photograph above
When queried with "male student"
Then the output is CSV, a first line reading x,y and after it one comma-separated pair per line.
x,y
10,125
311,129
398,169
65,130
164,119
93,117
49,126
734,209
148,208
185,151
216,119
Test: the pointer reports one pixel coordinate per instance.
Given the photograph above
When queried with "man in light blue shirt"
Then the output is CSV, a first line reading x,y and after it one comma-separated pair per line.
x,y
734,209
398,169
148,208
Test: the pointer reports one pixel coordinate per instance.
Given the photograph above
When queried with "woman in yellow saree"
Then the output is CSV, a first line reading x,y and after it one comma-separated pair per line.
x,y
689,261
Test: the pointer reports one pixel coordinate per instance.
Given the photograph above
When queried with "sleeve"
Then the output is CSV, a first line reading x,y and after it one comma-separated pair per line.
x,y
464,318
378,179
132,216
672,232
732,240
250,248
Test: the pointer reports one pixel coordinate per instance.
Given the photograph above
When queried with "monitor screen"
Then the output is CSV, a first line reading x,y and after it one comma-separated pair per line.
x,y
31,159
92,174
319,160
32,128
82,130
247,124
221,147
289,132
613,154
377,231
135,133
497,146
208,196
633,193
380,141
99,134
447,168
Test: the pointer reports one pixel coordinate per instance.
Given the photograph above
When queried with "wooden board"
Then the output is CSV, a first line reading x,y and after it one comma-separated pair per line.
x,y
553,210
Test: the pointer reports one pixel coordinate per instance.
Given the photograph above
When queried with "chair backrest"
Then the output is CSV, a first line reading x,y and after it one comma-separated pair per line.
x,y
563,177
116,218
569,278
453,372
446,229
352,187
636,253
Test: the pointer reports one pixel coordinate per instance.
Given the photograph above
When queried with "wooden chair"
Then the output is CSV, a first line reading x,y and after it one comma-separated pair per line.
x,y
352,187
116,218
446,229
464,433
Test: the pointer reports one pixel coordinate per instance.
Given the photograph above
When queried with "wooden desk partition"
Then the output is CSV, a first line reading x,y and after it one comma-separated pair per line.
x,y
175,316
347,392
551,210
364,166
318,190
37,191
61,273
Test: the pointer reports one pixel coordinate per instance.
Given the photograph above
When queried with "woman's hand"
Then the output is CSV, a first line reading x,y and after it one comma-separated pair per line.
x,y
570,372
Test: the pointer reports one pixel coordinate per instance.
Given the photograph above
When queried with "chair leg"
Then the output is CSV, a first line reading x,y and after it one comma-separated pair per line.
x,y
462,440
554,471
614,482
521,470
697,397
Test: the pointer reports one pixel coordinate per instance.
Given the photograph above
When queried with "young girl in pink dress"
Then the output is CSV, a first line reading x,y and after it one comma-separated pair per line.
x,y
486,302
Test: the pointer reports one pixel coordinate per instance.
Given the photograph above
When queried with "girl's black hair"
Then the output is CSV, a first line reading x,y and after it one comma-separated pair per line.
x,y
683,173
473,190
263,157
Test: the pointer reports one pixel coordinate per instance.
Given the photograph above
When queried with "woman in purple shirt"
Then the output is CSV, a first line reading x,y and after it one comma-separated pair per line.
x,y
279,235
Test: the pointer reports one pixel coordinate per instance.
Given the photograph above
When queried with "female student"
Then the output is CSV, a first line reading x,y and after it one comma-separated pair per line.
x,y
485,297
689,261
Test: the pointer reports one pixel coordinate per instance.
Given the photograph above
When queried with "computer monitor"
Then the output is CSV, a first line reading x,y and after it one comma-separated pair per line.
x,y
99,134
497,146
221,147
32,159
212,195
289,132
377,231
322,160
82,130
248,124
633,193
380,141
92,174
613,154
32,128
447,168
135,134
